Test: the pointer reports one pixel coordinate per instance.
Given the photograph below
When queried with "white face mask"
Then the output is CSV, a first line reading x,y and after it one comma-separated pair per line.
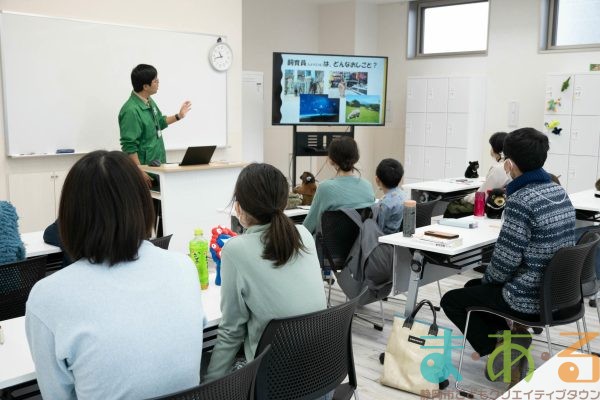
x,y
508,165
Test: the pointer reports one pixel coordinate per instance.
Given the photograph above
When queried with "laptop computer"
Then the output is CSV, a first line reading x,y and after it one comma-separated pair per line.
x,y
195,155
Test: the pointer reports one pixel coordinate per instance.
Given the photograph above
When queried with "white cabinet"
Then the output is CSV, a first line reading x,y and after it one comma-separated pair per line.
x,y
558,164
554,85
455,162
559,144
437,95
435,129
457,130
415,129
585,134
414,163
434,163
574,152
444,126
586,95
416,95
36,197
582,173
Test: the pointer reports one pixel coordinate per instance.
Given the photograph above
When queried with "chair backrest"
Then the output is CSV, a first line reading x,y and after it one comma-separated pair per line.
x,y
424,213
16,281
336,237
589,280
162,242
237,385
311,354
561,288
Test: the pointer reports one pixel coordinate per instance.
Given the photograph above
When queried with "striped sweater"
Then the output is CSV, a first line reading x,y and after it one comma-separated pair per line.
x,y
539,219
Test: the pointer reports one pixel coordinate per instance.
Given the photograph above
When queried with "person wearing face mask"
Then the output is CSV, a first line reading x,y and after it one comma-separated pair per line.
x,y
539,219
345,189
496,178
271,271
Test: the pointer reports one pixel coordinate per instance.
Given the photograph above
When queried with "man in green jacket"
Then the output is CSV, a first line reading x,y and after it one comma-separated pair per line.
x,y
140,121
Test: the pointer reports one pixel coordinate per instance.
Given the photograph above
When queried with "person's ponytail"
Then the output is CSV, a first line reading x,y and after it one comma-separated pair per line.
x,y
282,240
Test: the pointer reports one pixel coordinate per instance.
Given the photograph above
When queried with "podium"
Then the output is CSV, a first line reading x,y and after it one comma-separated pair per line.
x,y
196,196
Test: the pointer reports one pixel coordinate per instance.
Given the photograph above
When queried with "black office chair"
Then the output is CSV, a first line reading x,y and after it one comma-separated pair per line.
x,y
162,242
590,284
311,355
425,212
561,300
237,385
16,281
334,242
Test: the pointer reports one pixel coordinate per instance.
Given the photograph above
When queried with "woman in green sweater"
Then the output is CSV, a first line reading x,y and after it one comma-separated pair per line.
x,y
271,271
345,190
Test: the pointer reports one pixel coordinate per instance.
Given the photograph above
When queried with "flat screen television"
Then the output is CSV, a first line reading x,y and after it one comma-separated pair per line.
x,y
327,89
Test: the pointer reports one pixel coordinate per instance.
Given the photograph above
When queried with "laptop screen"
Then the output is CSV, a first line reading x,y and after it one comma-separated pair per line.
x,y
196,155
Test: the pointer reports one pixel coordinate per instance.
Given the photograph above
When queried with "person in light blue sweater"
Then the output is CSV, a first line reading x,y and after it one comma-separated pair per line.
x,y
125,320
271,271
539,219
389,173
345,190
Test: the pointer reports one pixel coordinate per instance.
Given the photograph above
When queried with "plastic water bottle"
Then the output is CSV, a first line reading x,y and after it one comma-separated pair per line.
x,y
198,253
409,218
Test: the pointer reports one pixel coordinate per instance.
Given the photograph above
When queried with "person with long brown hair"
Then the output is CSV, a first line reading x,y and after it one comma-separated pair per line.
x,y
271,271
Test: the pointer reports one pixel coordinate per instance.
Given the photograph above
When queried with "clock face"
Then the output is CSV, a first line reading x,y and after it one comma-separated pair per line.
x,y
221,56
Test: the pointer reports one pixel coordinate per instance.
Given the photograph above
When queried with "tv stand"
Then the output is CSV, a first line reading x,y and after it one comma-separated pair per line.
x,y
313,144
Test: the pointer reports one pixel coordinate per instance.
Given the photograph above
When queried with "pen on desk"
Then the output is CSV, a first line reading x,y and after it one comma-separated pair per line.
x,y
1,335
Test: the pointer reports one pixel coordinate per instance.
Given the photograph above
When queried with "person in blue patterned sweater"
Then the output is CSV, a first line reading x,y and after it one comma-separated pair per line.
x,y
539,219
11,246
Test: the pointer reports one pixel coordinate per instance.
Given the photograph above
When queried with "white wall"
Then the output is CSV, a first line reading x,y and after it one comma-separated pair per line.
x,y
223,17
514,68
278,25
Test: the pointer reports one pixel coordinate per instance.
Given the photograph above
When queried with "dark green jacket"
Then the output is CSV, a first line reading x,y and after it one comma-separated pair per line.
x,y
139,124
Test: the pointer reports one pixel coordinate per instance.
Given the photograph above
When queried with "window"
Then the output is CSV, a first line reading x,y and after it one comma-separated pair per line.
x,y
572,24
448,27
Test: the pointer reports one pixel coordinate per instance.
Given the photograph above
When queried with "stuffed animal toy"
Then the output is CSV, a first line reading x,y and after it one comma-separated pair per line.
x,y
307,188
220,236
471,171
494,205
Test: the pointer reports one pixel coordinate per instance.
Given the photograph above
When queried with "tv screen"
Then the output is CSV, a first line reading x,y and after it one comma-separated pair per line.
x,y
324,89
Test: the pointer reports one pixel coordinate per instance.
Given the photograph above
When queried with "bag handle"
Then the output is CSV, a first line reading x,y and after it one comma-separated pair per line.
x,y
408,323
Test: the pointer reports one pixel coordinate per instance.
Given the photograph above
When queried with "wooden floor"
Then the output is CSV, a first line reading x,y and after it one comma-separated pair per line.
x,y
368,343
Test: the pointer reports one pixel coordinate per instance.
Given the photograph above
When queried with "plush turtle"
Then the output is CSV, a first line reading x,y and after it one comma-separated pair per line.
x,y
494,205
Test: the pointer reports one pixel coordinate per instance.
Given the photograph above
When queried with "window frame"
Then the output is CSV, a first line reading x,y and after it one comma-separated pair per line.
x,y
415,32
549,30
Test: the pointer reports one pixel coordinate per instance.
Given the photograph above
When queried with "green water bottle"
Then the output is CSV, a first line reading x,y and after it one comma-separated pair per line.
x,y
198,253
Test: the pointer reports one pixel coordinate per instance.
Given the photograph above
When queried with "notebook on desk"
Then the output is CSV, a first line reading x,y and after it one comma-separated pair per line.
x,y
196,155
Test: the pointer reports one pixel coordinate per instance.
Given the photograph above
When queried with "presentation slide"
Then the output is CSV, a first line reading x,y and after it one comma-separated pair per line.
x,y
321,89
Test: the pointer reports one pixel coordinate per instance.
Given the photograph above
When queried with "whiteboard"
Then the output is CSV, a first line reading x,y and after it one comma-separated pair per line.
x,y
64,82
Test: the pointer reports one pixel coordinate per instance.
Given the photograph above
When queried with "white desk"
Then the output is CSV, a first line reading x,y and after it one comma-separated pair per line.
x,y
449,189
586,205
417,263
193,197
35,245
16,365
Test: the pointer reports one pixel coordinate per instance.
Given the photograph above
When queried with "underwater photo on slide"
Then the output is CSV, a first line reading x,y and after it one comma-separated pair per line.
x,y
363,109
319,108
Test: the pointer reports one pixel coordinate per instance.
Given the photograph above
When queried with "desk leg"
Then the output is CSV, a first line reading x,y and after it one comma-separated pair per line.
x,y
416,269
